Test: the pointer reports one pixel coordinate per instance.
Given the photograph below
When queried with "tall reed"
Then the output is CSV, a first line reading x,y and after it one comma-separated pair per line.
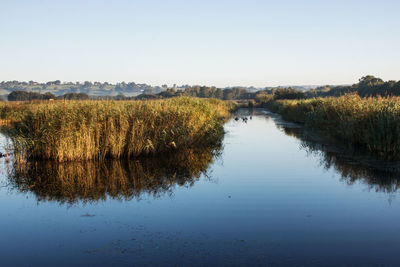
x,y
82,130
372,123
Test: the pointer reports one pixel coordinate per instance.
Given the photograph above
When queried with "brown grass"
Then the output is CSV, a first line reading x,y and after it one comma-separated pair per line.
x,y
83,130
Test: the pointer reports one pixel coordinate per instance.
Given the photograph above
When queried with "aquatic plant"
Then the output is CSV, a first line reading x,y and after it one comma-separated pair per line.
x,y
12,111
372,123
83,130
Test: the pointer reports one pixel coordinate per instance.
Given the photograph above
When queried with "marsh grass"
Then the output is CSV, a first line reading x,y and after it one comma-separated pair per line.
x,y
371,123
12,111
83,130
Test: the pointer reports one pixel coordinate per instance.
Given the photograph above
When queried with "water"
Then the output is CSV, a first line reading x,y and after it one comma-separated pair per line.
x,y
267,197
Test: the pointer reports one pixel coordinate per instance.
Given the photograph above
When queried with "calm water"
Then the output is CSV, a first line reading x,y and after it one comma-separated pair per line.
x,y
267,197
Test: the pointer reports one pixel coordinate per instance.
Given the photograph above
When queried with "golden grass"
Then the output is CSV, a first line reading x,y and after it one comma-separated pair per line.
x,y
372,123
83,130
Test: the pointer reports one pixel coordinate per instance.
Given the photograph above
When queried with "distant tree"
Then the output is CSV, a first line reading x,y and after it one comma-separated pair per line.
x,y
87,84
48,96
146,96
121,97
18,96
149,90
170,92
369,80
367,86
219,93
288,93
75,96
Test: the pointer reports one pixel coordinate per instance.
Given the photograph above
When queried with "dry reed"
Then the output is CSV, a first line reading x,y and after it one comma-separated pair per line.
x,y
83,130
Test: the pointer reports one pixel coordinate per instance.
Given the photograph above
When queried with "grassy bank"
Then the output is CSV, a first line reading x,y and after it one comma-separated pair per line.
x,y
370,123
83,130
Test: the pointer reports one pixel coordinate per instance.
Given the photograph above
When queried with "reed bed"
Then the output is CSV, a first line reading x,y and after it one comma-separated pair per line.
x,y
12,111
83,130
372,123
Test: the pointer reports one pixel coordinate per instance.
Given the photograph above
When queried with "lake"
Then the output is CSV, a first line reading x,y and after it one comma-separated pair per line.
x,y
267,196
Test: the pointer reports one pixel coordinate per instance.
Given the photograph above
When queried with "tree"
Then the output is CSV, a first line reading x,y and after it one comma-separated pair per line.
x,y
48,96
18,96
288,93
369,80
75,96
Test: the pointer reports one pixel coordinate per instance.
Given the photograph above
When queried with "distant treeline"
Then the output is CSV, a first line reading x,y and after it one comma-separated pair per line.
x,y
197,91
235,93
24,95
27,96
367,86
210,92
91,88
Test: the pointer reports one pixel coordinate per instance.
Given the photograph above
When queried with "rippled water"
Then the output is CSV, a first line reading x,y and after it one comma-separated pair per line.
x,y
268,196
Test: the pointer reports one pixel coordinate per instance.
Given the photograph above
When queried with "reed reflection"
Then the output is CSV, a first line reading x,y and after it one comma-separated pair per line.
x,y
353,165
90,181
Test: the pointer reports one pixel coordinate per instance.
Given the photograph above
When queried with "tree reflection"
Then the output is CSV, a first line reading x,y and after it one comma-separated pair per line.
x,y
89,181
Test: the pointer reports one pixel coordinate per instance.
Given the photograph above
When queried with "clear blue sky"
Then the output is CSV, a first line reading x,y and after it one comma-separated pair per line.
x,y
219,43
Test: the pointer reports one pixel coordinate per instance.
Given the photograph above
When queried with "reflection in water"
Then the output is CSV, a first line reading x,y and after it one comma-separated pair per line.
x,y
354,166
119,179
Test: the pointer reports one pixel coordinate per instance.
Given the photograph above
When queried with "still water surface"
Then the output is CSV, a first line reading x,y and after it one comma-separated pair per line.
x,y
266,197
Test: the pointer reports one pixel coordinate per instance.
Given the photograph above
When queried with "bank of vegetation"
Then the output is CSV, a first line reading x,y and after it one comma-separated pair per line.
x,y
83,130
364,115
372,123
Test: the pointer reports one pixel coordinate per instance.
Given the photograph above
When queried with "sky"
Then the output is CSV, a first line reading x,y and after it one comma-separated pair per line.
x,y
220,43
